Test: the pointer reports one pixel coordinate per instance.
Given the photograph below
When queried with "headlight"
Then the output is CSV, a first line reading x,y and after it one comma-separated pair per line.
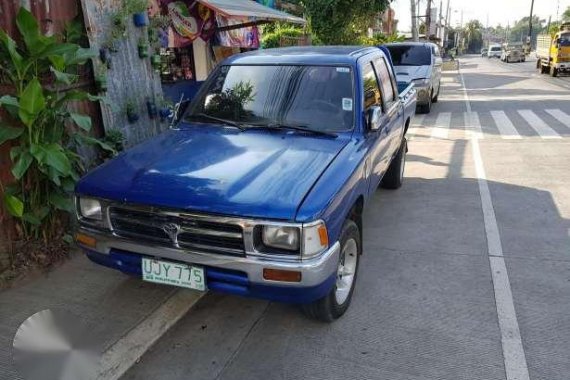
x,y
90,208
421,82
281,237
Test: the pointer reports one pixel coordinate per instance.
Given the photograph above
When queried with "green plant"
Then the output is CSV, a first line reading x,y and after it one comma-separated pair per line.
x,y
380,38
115,139
273,39
43,131
135,6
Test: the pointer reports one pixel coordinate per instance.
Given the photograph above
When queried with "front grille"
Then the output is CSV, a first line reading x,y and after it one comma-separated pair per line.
x,y
195,233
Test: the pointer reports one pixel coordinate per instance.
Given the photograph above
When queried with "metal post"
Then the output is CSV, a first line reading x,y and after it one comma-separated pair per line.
x,y
428,19
414,28
530,26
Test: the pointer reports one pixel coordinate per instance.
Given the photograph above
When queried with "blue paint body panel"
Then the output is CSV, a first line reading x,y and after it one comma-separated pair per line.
x,y
275,175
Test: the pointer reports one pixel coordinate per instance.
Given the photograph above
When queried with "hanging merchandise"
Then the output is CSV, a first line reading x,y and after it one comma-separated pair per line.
x,y
189,20
244,37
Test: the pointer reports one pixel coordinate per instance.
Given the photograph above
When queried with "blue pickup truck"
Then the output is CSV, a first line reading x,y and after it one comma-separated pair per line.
x,y
259,188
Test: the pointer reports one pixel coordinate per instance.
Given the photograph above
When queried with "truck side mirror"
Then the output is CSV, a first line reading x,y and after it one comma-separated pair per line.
x,y
374,118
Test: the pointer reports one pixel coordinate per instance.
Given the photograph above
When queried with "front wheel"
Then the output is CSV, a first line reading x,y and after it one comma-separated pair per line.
x,y
394,177
553,71
334,305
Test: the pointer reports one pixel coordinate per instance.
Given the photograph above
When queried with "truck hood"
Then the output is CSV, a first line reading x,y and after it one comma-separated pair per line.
x,y
409,73
211,169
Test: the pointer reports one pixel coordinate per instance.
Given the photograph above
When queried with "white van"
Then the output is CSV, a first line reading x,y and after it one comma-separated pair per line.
x,y
494,51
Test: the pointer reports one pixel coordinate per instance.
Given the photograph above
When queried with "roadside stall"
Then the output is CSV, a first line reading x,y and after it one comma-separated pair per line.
x,y
201,33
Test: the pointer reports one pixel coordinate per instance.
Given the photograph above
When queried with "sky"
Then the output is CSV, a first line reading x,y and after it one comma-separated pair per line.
x,y
498,11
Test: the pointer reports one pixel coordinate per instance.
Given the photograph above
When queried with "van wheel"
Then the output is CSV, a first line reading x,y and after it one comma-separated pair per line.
x,y
334,305
427,107
437,95
553,71
394,177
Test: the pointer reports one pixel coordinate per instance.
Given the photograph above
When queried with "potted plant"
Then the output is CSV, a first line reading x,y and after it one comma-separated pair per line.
x,y
151,108
132,112
165,109
139,10
156,60
101,78
143,48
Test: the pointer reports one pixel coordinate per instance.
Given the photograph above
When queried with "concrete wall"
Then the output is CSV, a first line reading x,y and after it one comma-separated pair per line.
x,y
129,77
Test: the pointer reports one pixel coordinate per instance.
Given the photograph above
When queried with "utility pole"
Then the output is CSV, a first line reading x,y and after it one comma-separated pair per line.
x,y
530,26
414,20
439,28
446,30
428,19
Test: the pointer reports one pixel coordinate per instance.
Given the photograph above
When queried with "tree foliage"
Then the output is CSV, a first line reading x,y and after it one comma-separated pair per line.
x,y
44,132
341,21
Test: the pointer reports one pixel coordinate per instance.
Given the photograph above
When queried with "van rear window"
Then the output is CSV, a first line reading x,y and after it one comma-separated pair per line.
x,y
410,55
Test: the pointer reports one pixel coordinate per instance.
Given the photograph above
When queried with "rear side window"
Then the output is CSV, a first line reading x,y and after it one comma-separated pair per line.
x,y
372,96
410,55
385,79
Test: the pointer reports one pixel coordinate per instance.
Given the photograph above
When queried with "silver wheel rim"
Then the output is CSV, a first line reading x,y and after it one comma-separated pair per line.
x,y
346,271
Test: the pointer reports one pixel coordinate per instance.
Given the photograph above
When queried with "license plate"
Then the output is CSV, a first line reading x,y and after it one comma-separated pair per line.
x,y
165,272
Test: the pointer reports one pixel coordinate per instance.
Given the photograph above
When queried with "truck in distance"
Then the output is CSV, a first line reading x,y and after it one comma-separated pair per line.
x,y
553,51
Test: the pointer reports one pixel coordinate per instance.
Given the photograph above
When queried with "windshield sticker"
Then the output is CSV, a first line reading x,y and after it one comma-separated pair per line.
x,y
347,104
343,70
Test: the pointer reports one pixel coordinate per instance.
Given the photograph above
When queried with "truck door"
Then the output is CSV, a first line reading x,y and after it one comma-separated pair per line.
x,y
391,103
378,139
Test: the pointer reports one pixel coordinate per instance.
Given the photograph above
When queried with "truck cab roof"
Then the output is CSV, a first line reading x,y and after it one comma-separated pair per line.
x,y
303,55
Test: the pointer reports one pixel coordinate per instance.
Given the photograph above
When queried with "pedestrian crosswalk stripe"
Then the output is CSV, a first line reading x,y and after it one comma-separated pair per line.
x,y
472,125
415,127
504,125
442,123
539,125
560,116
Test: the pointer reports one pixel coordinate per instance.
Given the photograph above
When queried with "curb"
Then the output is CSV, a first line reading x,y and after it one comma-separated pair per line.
x,y
124,353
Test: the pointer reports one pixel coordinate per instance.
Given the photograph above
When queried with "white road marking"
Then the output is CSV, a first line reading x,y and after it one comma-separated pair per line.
x,y
513,350
441,128
560,116
539,125
472,125
416,126
505,126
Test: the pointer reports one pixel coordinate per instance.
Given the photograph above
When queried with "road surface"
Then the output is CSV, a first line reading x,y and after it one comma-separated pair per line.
x,y
466,270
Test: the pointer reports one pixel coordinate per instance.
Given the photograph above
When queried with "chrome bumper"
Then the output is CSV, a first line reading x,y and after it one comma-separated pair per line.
x,y
314,271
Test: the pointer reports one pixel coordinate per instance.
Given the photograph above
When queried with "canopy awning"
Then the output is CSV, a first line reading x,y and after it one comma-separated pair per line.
x,y
251,9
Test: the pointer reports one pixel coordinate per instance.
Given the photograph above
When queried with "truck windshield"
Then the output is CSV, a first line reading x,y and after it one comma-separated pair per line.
x,y
565,39
311,97
410,55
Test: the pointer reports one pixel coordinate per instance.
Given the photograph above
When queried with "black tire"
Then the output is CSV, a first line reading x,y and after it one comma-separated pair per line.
x,y
426,108
394,177
507,60
553,71
436,98
327,309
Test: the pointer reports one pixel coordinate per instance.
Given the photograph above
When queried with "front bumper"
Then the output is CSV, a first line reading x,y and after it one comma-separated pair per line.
x,y
564,66
236,275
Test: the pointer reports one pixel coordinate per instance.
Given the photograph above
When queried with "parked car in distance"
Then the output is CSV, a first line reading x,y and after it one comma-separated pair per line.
x,y
484,52
512,53
494,51
418,63
259,189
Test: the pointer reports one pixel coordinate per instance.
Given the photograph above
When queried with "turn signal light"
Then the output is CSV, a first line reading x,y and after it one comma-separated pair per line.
x,y
323,235
86,240
281,275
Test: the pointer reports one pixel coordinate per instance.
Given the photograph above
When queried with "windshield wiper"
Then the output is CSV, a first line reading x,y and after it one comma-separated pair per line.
x,y
218,119
302,128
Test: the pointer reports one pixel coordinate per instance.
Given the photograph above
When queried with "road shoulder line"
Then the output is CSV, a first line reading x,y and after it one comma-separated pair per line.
x,y
122,355
511,342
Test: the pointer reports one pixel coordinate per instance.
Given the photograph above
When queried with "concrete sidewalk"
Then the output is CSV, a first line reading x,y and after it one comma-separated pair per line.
x,y
122,309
